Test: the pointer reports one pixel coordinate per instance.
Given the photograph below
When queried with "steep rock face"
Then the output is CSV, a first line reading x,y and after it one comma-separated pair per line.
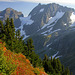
x,y
11,13
47,11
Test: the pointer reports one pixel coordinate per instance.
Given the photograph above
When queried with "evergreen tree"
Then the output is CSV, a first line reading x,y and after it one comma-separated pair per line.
x,y
45,63
1,29
18,33
35,60
30,46
66,72
7,28
12,28
58,66
8,31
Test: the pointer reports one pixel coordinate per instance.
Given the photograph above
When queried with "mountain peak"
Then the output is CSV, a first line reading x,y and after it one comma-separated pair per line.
x,y
39,4
11,9
44,12
11,13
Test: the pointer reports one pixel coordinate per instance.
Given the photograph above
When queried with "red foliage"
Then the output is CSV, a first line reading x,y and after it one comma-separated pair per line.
x,y
0,42
27,61
4,49
23,65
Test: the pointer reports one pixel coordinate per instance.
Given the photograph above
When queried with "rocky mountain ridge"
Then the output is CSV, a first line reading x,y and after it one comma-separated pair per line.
x,y
11,13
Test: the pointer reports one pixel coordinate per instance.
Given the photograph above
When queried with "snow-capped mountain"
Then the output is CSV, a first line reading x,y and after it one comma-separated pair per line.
x,y
52,28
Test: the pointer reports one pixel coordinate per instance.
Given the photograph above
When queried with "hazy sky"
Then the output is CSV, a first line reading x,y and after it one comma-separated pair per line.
x,y
44,1
26,6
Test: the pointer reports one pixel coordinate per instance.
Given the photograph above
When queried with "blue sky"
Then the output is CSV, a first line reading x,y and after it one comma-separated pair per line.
x,y
25,6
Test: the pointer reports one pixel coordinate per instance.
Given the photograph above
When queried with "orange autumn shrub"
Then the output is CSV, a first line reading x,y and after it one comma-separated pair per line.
x,y
39,71
18,63
4,49
27,61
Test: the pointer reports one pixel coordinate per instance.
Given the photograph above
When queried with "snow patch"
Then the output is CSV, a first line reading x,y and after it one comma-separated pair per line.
x,y
26,20
54,55
50,18
26,37
38,30
54,31
34,13
50,26
16,29
41,10
48,45
58,57
54,19
72,17
44,32
48,31
65,24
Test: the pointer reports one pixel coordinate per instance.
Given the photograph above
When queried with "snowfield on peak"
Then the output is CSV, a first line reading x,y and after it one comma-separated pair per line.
x,y
54,19
26,20
72,17
50,26
65,24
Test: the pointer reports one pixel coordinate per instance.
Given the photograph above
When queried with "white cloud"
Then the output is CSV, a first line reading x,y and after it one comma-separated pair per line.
x,y
45,1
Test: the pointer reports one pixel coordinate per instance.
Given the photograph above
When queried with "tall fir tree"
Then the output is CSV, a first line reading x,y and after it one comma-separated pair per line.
x,y
1,29
12,28
30,46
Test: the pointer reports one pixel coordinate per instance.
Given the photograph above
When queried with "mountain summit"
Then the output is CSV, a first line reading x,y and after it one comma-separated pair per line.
x,y
11,13
46,15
